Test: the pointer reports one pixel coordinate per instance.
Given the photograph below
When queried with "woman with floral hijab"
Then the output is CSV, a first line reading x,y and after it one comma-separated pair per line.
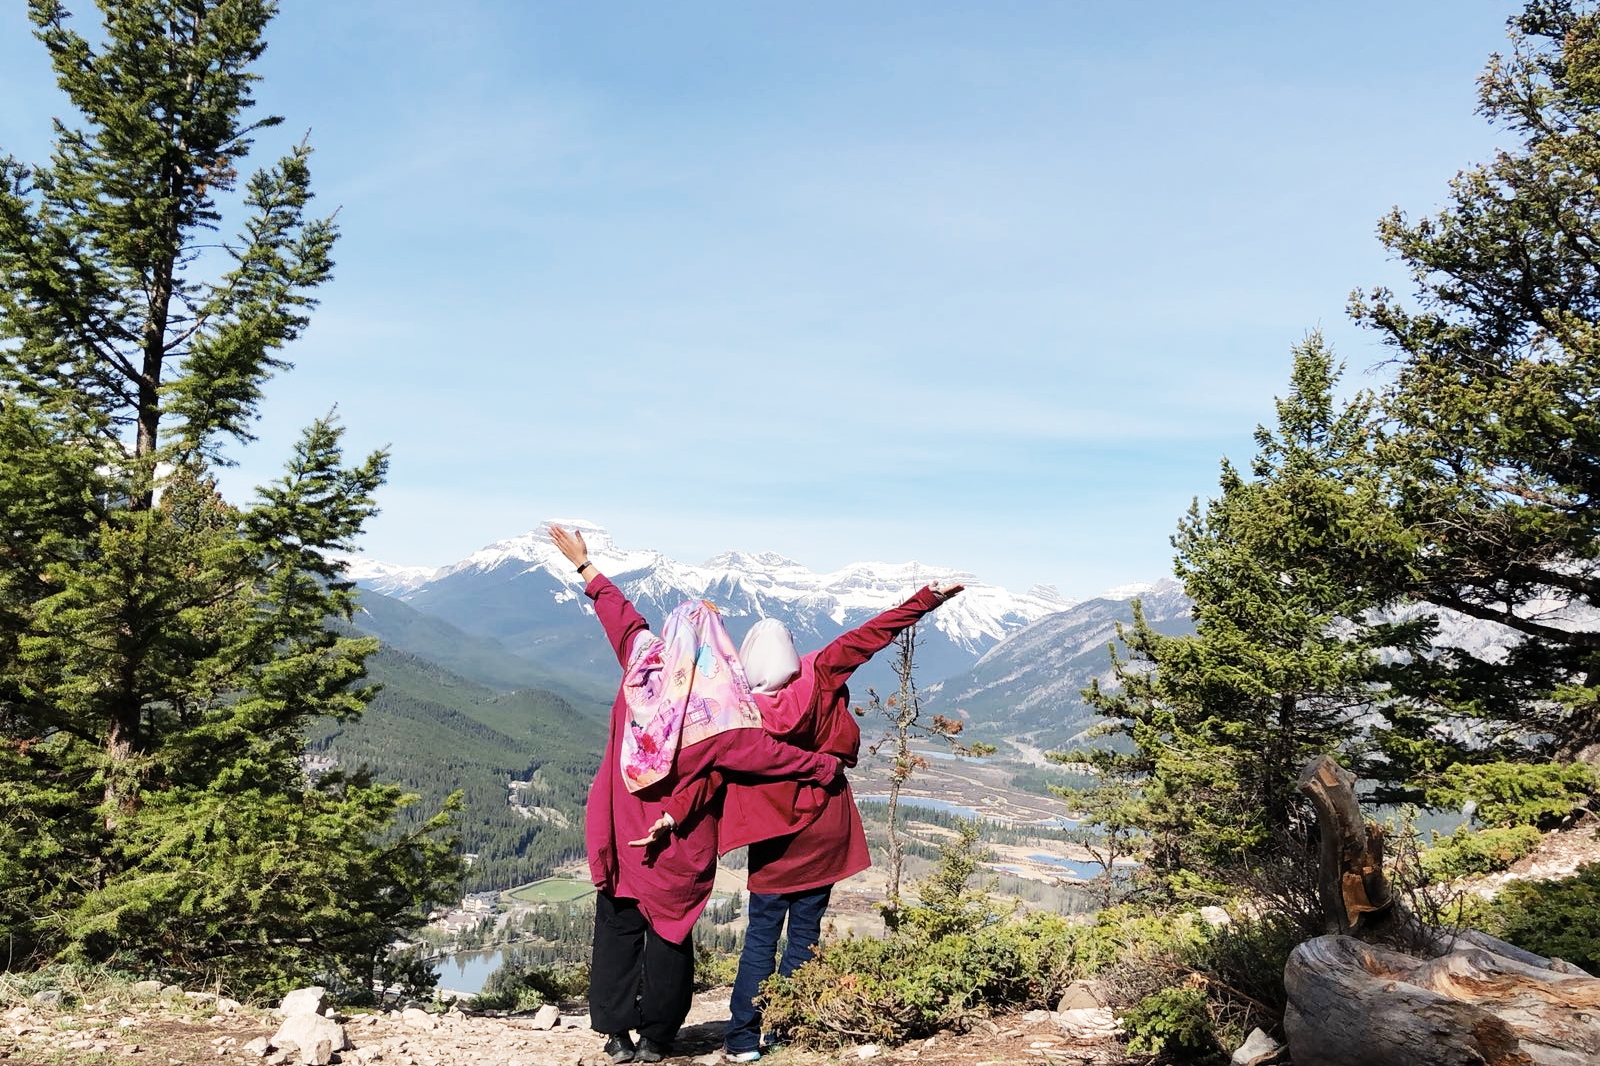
x,y
683,710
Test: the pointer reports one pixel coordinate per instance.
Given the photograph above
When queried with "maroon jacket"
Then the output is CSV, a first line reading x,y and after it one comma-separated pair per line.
x,y
802,834
671,882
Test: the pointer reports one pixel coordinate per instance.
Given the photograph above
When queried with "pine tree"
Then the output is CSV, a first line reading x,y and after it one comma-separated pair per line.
x,y
162,650
1285,568
1494,445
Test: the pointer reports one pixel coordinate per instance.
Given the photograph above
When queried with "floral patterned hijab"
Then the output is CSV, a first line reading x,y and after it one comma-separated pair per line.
x,y
682,687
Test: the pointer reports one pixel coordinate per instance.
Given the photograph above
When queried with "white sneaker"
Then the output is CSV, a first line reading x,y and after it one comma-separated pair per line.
x,y
741,1056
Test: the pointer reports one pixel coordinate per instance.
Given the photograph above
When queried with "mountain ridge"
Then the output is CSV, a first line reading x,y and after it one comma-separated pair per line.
x,y
522,593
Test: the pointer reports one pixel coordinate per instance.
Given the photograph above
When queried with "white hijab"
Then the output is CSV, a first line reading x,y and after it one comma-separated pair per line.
x,y
770,661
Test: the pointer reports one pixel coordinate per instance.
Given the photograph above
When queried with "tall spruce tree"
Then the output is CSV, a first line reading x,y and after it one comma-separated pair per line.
x,y
1284,567
1494,444
162,649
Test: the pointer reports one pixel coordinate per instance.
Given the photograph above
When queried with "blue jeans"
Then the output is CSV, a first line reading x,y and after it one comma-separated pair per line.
x,y
804,912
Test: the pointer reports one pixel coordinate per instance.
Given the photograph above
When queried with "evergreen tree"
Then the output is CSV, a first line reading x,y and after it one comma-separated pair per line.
x,y
161,649
1494,417
1284,568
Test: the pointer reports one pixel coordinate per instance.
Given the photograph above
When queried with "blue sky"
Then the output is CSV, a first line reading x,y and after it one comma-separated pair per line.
x,y
988,286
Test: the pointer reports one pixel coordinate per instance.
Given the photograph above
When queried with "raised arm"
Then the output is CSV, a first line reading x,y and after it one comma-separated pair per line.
x,y
835,663
621,621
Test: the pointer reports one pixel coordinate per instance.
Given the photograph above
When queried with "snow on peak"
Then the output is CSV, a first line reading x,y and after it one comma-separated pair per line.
x,y
982,613
390,579
737,560
535,549
1131,591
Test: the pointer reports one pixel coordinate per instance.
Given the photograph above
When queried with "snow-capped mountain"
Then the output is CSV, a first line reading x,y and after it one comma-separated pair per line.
x,y
523,593
1028,686
387,578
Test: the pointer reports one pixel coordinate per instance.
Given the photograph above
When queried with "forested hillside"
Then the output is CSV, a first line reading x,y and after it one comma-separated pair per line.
x,y
522,762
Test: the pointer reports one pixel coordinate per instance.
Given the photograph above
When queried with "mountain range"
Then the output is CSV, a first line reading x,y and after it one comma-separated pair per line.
x,y
495,681
523,595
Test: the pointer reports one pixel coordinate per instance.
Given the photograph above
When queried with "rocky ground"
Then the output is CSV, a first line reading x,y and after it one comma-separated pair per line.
x,y
188,1030
169,1027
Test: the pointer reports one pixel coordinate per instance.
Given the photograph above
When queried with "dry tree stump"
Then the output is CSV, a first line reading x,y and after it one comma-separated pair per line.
x,y
1467,1000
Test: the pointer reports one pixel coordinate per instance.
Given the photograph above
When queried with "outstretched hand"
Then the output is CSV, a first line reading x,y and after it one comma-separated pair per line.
x,y
569,544
944,592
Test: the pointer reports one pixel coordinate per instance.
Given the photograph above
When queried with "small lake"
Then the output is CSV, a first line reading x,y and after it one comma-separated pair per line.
x,y
927,803
467,971
1081,869
1058,822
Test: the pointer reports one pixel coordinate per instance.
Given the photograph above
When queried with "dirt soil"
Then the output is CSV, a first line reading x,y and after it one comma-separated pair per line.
x,y
163,1034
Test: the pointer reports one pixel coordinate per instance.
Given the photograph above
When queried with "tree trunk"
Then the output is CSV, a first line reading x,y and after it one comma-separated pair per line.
x,y
1354,890
1356,1004
1470,999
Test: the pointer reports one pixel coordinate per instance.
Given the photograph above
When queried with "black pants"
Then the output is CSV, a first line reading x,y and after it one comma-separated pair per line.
x,y
637,980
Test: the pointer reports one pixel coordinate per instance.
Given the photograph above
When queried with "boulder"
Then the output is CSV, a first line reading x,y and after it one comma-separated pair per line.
x,y
310,1000
417,1018
314,1038
1081,995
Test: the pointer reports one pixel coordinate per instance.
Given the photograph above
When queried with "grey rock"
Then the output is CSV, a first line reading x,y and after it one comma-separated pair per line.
x,y
309,1000
50,997
1258,1049
147,988
315,1038
417,1018
546,1017
1088,1024
1081,995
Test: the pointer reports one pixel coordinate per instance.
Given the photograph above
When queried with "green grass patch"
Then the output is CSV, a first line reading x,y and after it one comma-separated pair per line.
x,y
552,890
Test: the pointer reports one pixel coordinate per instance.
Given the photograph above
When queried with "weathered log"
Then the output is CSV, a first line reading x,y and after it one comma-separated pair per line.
x,y
1466,999
1356,1004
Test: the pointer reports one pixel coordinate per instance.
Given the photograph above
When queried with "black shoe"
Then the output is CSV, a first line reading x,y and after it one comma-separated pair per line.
x,y
650,1051
619,1048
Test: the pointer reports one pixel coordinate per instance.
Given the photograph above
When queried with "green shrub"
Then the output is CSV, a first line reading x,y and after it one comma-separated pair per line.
x,y
946,902
1171,1022
712,968
516,988
1232,973
906,985
1477,851
1242,966
1556,919
1506,794
1131,937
